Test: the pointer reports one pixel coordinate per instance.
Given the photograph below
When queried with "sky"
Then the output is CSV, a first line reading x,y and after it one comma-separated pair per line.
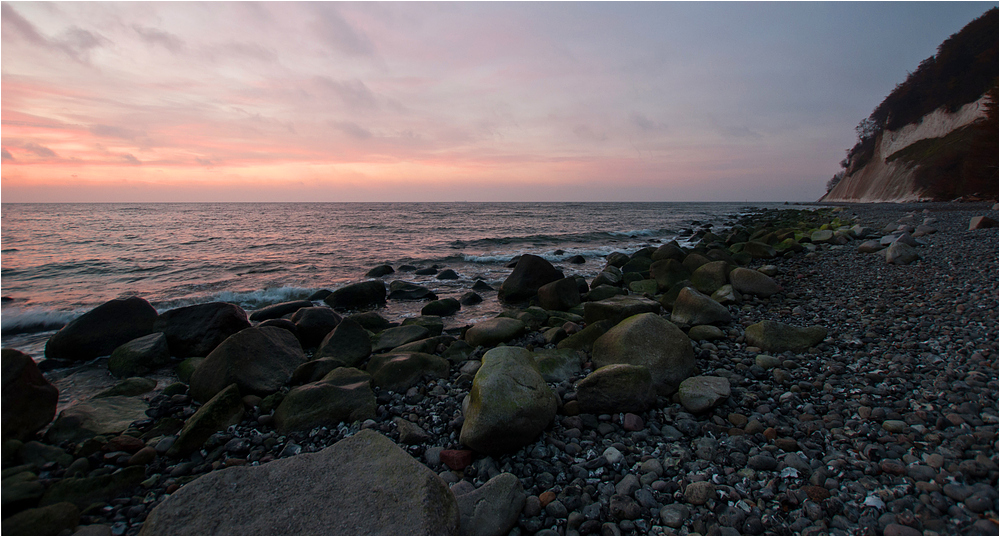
x,y
415,101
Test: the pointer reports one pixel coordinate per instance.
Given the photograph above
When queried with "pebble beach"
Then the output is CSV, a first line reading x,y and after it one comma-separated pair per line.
x,y
885,424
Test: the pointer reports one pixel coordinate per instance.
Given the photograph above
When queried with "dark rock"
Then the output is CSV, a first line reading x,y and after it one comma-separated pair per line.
x,y
492,332
616,388
492,509
617,309
559,295
348,342
140,356
650,341
399,371
49,520
29,399
357,296
379,271
469,299
104,416
275,311
400,290
693,308
102,329
197,330
371,321
129,387
447,274
344,394
391,338
312,324
85,491
772,336
225,408
441,308
258,360
530,273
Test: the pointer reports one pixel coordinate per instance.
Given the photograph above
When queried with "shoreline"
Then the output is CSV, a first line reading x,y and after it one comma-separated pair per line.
x,y
896,348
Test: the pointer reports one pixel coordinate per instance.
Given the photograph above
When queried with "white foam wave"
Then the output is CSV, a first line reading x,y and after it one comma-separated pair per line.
x,y
254,299
633,233
21,320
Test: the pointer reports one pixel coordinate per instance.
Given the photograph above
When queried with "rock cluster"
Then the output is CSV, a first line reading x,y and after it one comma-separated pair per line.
x,y
768,379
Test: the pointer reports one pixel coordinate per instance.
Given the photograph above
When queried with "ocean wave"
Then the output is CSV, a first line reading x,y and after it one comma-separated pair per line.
x,y
27,320
635,233
558,238
254,299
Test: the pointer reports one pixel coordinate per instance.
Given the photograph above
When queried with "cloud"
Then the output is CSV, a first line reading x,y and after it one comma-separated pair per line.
x,y
130,159
353,92
338,34
352,129
12,21
75,42
39,150
204,162
153,36
110,131
645,124
585,132
5,155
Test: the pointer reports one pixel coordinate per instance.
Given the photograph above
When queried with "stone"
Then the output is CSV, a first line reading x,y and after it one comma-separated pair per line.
x,y
37,454
225,408
699,492
669,250
356,296
616,388
709,277
197,330
129,387
441,308
275,311
753,282
691,307
433,323
559,295
584,339
668,272
674,515
410,433
702,393
981,222
391,338
492,332
105,416
400,290
727,295
49,520
447,274
470,298
312,324
85,491
399,371
493,508
530,273
759,250
869,247
370,321
342,395
362,485
650,341
558,365
29,399
772,336
348,342
140,356
821,236
102,329
705,332
379,271
618,308
258,360
509,404
899,253
766,361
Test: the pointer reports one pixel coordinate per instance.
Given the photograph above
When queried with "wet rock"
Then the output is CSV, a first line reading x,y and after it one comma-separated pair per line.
x,y
104,416
84,491
492,509
772,336
344,394
492,332
530,273
616,388
102,329
701,393
275,311
356,296
258,360
399,371
49,520
29,399
139,356
559,295
617,309
224,409
348,342
312,324
692,307
441,308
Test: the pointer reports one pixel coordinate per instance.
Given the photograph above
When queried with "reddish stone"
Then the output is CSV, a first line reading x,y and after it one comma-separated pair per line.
x,y
892,466
143,457
126,443
172,488
456,459
816,494
632,422
770,433
546,498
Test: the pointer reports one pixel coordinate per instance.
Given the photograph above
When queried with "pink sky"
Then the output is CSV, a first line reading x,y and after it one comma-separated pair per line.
x,y
440,102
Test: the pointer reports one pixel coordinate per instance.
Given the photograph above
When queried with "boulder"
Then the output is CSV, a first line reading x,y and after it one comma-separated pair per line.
x,y
379,271
371,321
705,332
638,264
49,520
315,370
344,394
694,260
772,336
617,259
981,222
650,341
258,360
618,308
312,324
900,253
362,485
104,416
399,371
604,292
692,307
348,342
558,365
753,282
759,250
221,411
584,339
607,278
616,388
709,277
492,332
559,295
470,298
727,295
869,247
821,236
275,311
391,338
361,295
432,323
643,287
530,273
400,290
441,308
493,508
140,356
102,329
197,330
668,251
447,274
698,394
129,387
668,298
29,399
509,404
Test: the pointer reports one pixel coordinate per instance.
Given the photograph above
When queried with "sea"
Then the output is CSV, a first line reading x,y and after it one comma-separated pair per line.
x,y
61,260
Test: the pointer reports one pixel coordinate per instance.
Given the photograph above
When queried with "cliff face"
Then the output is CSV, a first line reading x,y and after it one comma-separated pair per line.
x,y
885,179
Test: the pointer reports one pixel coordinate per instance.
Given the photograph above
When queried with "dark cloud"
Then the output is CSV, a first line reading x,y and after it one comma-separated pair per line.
x,y
5,155
153,36
130,159
352,129
75,43
354,93
110,131
39,150
14,23
645,124
204,161
334,31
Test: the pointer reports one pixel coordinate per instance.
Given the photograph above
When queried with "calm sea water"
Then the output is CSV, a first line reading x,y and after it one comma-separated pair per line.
x,y
60,260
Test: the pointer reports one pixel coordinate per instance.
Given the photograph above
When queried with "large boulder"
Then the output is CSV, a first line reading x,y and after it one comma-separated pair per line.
x,y
900,253
441,308
258,360
103,416
391,338
492,332
668,251
49,520
530,273
698,394
362,485
348,342
102,329
559,295
668,272
650,341
29,399
197,330
618,308
692,307
399,371
981,222
344,394
709,277
221,411
772,336
86,491
759,250
616,388
275,311
584,339
509,404
140,356
753,282
400,290
558,365
312,324
357,296
492,509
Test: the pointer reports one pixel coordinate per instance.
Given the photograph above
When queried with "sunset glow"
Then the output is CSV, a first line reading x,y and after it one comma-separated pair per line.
x,y
454,101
